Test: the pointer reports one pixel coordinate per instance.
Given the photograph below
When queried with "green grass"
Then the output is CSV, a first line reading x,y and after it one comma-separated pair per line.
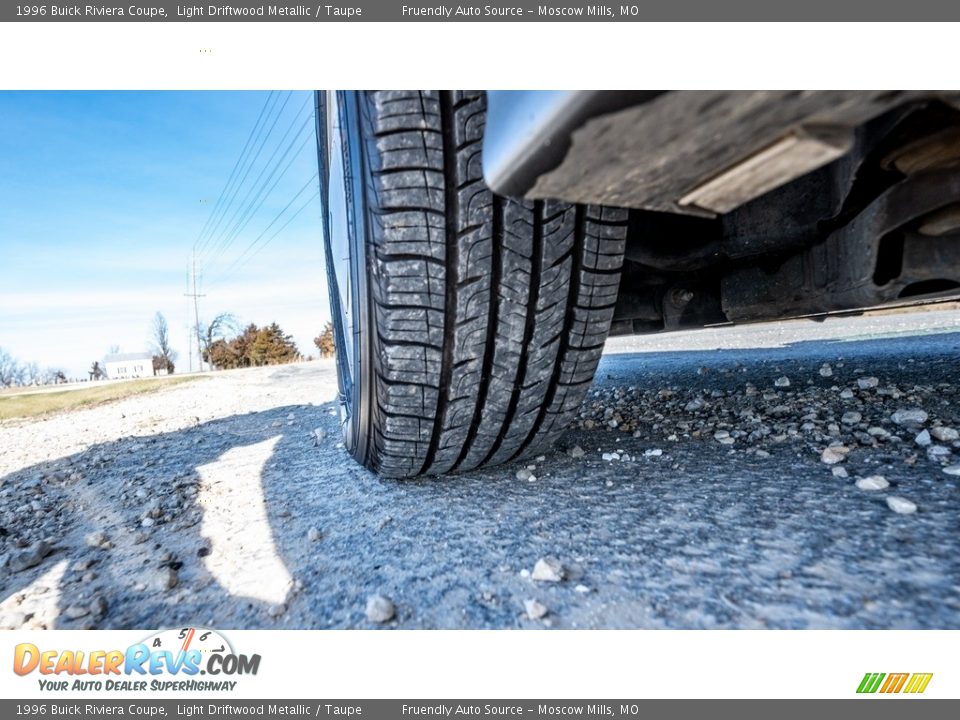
x,y
22,405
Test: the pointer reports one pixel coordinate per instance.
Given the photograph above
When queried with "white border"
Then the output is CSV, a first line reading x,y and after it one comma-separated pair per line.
x,y
560,55
599,664
542,665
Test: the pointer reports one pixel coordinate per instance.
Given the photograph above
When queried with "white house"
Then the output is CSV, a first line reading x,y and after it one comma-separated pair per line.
x,y
126,366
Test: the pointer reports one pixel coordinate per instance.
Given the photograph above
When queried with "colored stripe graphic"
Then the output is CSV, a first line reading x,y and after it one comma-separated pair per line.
x,y
894,682
918,682
870,682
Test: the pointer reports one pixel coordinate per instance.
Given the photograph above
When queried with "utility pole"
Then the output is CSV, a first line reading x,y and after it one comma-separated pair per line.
x,y
196,313
189,331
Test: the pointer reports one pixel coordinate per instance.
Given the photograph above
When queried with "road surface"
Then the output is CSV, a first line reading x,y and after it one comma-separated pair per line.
x,y
805,477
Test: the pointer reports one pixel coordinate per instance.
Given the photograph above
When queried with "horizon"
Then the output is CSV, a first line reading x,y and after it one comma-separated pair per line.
x,y
107,195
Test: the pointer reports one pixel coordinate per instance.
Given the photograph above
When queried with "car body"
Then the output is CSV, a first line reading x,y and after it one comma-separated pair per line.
x,y
748,205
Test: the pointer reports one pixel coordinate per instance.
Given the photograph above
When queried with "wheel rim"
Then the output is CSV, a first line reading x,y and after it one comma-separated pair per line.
x,y
344,245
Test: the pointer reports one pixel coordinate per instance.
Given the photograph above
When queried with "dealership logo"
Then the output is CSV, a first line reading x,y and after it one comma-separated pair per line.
x,y
168,660
912,683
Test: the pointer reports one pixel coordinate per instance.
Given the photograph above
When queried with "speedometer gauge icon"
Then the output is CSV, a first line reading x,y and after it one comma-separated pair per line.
x,y
181,640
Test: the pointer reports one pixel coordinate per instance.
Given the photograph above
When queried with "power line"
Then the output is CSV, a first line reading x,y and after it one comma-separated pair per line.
x,y
260,140
251,205
233,173
249,253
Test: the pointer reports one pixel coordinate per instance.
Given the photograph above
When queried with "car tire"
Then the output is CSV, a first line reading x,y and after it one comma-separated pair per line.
x,y
468,326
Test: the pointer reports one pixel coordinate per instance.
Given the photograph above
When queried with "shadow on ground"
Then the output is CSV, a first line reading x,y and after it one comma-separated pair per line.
x,y
265,527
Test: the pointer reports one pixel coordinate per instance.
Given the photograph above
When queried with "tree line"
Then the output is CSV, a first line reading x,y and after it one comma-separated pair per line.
x,y
252,346
223,342
14,372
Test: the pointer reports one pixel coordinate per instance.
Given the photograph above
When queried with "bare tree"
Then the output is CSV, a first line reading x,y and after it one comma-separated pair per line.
x,y
53,376
10,369
217,329
96,372
32,375
163,355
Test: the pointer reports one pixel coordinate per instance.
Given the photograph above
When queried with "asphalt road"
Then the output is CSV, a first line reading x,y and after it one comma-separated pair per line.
x,y
216,503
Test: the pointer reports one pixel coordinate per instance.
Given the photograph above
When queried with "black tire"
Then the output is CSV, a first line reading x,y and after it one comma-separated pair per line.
x,y
474,322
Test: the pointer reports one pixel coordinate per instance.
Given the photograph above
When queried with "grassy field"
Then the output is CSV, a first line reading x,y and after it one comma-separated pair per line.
x,y
39,403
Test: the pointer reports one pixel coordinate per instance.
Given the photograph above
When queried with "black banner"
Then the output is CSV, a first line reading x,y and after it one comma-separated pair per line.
x,y
500,11
852,709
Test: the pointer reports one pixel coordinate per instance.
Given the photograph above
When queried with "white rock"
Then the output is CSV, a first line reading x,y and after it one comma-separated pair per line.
x,y
846,393
534,609
653,452
548,569
97,539
952,470
576,452
867,383
874,482
909,417
945,434
851,418
826,370
582,589
276,610
923,439
782,381
834,455
76,611
524,474
901,505
840,472
313,534
164,578
610,457
380,609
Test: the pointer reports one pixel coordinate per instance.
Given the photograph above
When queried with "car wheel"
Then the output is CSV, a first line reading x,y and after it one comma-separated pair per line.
x,y
468,326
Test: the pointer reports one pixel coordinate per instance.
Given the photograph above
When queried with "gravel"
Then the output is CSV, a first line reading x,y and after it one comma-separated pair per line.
x,y
29,557
735,522
163,579
380,609
911,418
833,455
548,569
901,505
534,609
874,482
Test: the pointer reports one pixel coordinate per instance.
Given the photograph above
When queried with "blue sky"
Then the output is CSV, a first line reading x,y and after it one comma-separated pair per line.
x,y
103,196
